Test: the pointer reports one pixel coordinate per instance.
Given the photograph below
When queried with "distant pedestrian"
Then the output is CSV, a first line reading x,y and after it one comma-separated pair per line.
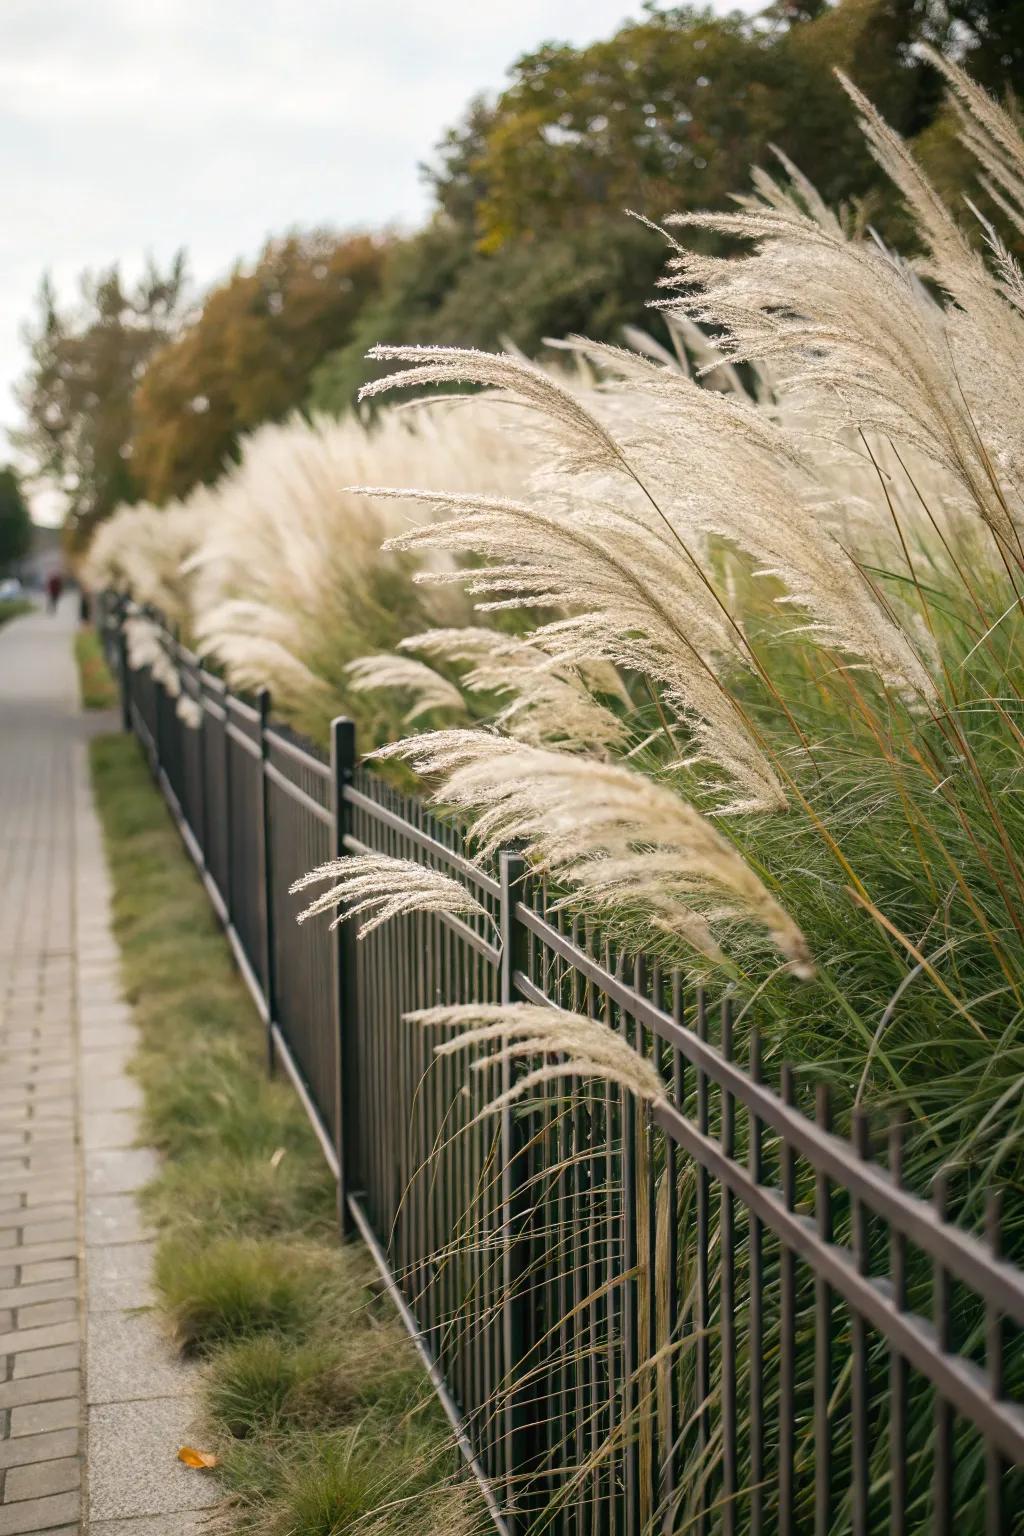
x,y
54,587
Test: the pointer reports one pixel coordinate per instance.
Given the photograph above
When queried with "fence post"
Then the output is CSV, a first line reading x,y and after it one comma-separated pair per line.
x,y
266,884
515,1215
123,669
228,881
343,762
158,710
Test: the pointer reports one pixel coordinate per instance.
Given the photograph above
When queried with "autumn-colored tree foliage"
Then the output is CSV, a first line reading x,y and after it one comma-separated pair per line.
x,y
76,397
248,356
15,522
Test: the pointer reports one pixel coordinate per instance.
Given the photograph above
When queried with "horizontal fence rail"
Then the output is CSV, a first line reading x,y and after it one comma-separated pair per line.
x,y
715,1314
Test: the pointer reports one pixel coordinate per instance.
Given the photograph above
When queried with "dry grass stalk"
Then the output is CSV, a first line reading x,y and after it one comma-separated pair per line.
x,y
384,888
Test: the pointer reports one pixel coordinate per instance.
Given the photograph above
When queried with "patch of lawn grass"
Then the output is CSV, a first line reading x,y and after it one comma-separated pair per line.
x,y
95,684
315,1401
13,608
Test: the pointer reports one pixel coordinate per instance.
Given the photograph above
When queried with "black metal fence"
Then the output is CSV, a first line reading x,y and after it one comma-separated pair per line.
x,y
713,1316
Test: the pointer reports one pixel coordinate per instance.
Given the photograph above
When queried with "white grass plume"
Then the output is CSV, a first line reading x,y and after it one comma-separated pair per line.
x,y
580,1046
550,703
384,888
189,711
854,334
146,648
616,838
142,551
429,690
635,600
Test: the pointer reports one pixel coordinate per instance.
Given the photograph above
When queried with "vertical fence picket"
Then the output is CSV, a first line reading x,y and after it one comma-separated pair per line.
x,y
997,1514
343,762
266,877
859,1346
823,1363
123,670
515,1213
898,1372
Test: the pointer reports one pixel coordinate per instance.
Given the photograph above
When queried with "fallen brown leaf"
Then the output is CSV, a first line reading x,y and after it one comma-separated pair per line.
x,y
193,1458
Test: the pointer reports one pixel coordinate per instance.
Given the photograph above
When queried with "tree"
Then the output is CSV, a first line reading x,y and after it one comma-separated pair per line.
x,y
77,395
248,356
15,522
438,287
531,238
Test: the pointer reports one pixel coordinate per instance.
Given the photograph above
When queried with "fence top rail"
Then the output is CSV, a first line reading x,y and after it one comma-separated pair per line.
x,y
287,786
210,681
962,1254
243,710
299,754
423,840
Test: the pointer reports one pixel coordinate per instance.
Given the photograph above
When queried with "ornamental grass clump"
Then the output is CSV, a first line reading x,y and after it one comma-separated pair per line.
x,y
806,584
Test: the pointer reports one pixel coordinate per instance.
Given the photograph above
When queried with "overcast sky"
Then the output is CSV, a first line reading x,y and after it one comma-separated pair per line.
x,y
137,126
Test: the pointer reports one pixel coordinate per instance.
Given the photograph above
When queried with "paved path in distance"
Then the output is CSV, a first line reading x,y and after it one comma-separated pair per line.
x,y
93,1406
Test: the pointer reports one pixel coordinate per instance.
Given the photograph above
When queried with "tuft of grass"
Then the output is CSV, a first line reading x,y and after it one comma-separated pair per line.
x,y
355,1479
272,1380
232,1289
314,1398
95,684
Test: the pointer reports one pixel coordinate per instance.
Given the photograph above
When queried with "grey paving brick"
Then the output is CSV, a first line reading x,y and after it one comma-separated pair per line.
x,y
40,1389
120,1277
52,1269
114,1219
22,1296
31,1217
21,1340
38,1362
152,1481
129,1358
42,1479
38,1253
47,1312
32,1448
36,1514
119,1170
110,1128
37,1418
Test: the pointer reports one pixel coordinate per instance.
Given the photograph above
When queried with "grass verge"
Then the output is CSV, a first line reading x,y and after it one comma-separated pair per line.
x,y
95,684
13,608
315,1402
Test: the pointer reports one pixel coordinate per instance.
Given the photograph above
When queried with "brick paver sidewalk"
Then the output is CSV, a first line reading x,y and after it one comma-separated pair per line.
x,y
92,1405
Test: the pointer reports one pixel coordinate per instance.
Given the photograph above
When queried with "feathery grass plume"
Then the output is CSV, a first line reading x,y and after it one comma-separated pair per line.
x,y
583,1047
857,336
758,493
639,604
190,711
428,688
386,888
611,834
144,641
990,133
290,583
141,551
551,704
